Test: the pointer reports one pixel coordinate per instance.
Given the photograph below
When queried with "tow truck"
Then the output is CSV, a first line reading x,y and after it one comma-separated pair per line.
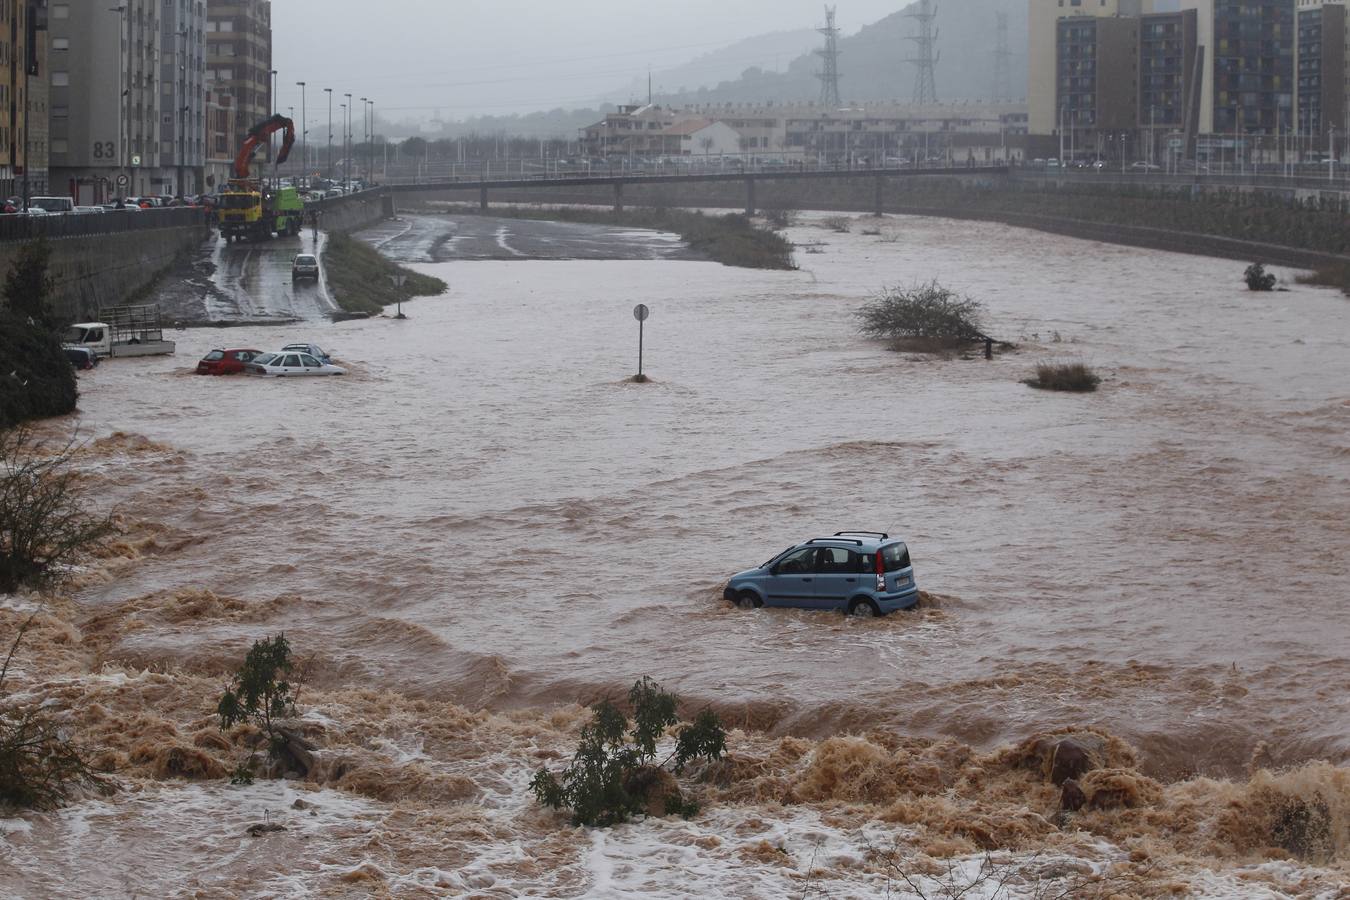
x,y
252,210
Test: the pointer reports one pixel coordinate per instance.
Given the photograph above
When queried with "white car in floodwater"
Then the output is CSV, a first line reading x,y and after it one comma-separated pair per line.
x,y
290,364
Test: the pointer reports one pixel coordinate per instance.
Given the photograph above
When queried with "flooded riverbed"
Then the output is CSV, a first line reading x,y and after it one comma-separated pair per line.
x,y
487,513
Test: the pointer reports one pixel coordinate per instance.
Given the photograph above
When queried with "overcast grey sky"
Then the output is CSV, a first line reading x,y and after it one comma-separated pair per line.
x,y
467,57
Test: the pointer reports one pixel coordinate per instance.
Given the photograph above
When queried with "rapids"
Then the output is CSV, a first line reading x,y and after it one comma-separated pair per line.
x,y
486,516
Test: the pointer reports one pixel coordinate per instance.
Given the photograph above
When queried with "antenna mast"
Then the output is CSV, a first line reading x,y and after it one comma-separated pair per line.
x,y
1002,61
925,60
829,76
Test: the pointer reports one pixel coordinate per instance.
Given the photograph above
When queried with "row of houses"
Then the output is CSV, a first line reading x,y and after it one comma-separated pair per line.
x,y
870,132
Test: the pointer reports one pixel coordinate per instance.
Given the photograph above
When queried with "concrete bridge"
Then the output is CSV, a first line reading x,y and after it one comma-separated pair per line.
x,y
750,179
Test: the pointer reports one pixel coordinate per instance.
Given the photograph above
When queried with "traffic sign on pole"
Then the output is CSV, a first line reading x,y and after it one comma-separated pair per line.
x,y
641,313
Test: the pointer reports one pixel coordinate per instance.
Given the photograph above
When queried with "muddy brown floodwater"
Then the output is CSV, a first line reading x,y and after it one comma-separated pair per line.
x,y
486,514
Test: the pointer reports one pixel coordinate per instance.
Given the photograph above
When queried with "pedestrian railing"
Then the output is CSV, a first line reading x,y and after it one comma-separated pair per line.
x,y
55,226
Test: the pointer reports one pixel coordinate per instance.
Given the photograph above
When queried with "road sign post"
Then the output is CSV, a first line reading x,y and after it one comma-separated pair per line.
x,y
641,313
398,282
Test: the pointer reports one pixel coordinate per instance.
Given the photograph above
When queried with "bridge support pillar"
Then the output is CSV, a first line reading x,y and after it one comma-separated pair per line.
x,y
482,198
750,196
618,196
880,209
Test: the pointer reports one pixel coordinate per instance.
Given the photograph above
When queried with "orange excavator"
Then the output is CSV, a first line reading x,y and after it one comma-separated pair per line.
x,y
248,209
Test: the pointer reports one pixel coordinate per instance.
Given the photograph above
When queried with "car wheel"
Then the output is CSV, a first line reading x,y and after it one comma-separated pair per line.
x,y
863,609
747,600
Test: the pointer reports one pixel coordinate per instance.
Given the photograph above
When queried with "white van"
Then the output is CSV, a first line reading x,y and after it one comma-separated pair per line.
x,y
53,204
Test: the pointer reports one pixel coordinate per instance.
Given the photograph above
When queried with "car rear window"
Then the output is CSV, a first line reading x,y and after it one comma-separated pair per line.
x,y
895,557
304,260
214,355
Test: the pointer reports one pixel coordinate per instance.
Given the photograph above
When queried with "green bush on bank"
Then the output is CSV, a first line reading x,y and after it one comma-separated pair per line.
x,y
36,379
358,277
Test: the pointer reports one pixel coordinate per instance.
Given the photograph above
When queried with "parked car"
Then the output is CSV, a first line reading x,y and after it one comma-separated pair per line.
x,y
312,349
305,265
81,357
87,210
1142,166
226,362
54,204
291,364
863,573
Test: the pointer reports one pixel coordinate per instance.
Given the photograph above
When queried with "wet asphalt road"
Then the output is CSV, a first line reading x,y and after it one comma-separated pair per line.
x,y
250,282
432,238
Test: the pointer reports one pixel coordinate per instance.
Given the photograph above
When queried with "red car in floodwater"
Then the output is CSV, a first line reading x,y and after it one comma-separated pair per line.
x,y
225,362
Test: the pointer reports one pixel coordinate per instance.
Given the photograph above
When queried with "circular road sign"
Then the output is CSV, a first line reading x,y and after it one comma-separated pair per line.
x,y
122,180
641,312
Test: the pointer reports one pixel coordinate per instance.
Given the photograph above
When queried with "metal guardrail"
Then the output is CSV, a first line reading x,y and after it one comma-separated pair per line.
x,y
71,225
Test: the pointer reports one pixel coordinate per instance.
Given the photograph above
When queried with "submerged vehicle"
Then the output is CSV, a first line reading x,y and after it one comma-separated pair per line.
x,y
863,573
248,208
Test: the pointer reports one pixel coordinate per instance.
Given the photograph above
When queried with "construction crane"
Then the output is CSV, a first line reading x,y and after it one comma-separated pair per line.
x,y
250,210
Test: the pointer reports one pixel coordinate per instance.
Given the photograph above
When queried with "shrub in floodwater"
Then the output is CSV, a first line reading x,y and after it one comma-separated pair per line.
x,y
39,767
260,693
1075,377
1257,279
614,774
43,520
838,224
925,316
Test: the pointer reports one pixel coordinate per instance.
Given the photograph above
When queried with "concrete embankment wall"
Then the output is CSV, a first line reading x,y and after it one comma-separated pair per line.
x,y
98,270
859,196
353,212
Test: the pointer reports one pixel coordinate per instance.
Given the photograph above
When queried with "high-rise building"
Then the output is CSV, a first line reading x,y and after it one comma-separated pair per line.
x,y
1320,59
23,50
1043,108
182,125
105,98
1249,83
239,60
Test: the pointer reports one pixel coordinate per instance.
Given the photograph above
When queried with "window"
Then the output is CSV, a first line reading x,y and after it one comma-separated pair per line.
x,y
61,11
60,43
798,561
895,557
291,361
60,79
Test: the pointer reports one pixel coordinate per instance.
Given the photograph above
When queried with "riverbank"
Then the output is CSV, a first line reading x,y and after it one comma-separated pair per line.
x,y
359,278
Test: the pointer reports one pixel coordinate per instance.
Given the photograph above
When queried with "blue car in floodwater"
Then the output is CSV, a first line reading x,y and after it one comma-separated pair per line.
x,y
863,573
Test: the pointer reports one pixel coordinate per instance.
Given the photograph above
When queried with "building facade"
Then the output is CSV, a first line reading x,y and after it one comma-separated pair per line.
x,y
1043,108
182,76
105,98
221,131
1320,61
239,61
23,98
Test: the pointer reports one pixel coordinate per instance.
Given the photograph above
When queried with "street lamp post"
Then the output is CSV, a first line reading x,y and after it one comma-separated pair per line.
x,y
271,149
329,92
346,145
365,129
304,135
123,92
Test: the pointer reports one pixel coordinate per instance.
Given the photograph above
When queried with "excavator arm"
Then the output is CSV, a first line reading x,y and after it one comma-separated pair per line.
x,y
258,135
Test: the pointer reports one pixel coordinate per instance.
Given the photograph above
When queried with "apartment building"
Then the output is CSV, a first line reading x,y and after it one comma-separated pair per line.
x,y
1322,70
182,76
23,97
239,61
105,99
1043,108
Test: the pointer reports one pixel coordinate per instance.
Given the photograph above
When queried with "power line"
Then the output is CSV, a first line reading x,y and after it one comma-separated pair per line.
x,y
925,60
829,76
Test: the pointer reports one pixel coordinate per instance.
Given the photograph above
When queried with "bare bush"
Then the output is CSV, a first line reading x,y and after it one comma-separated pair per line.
x,y
44,523
840,224
1074,377
923,316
